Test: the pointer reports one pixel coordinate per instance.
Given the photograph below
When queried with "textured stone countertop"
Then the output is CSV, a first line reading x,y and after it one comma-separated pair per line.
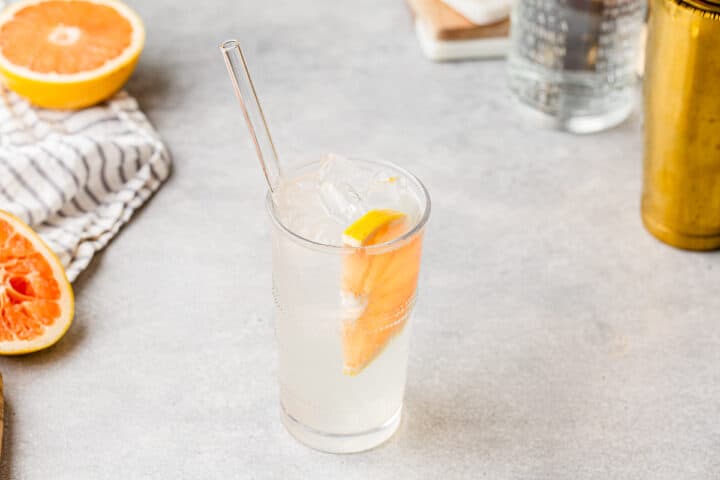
x,y
553,339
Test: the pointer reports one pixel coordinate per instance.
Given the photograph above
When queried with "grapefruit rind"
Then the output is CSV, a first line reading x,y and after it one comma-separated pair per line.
x,y
75,90
54,332
362,231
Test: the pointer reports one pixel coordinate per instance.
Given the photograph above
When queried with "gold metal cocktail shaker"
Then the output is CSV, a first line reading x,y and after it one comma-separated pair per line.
x,y
681,190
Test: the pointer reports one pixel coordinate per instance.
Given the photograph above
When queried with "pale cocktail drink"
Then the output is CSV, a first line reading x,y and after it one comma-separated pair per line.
x,y
347,237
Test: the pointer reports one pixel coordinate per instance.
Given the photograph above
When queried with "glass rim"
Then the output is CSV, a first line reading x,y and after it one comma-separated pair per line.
x,y
416,229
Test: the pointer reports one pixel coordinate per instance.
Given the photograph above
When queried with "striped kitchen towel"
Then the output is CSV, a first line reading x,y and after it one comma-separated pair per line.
x,y
77,177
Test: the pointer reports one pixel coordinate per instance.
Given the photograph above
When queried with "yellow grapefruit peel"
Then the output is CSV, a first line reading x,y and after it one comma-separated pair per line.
x,y
362,231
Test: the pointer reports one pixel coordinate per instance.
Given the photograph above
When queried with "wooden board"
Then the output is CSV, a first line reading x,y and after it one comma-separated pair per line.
x,y
446,24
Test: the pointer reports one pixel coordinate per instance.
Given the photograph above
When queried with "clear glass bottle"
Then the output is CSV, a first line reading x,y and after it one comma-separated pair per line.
x,y
574,60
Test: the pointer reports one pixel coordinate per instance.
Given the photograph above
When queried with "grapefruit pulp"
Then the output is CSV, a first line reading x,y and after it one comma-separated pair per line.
x,y
36,299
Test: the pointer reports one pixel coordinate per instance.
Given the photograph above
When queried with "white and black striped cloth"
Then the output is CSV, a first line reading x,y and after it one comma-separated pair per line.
x,y
76,177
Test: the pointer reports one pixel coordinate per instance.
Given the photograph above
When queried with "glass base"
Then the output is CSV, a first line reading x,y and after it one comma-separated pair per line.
x,y
580,124
340,443
574,101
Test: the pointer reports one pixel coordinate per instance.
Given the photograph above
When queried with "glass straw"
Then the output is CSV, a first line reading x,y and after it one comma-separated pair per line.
x,y
245,91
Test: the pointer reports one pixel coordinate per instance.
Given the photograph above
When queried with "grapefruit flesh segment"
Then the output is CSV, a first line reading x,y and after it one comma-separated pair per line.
x,y
36,300
64,37
385,284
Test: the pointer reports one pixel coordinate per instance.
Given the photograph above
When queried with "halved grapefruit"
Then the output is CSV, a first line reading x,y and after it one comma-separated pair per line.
x,y
36,299
68,53
379,287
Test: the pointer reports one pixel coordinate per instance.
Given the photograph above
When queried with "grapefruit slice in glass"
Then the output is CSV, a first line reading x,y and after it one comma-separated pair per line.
x,y
36,299
379,287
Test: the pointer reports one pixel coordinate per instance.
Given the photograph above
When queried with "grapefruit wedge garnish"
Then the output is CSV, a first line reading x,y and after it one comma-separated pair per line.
x,y
36,299
378,288
68,53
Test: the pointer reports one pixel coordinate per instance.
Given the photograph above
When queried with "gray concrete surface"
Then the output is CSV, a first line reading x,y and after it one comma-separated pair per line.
x,y
554,338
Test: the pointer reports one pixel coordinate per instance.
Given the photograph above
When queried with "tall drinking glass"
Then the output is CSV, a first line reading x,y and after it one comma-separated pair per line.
x,y
342,323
